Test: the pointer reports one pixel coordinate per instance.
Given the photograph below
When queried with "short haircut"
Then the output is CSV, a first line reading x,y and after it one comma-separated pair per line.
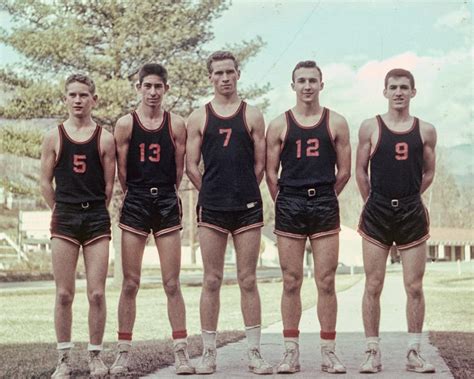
x,y
152,69
400,72
220,56
306,64
80,78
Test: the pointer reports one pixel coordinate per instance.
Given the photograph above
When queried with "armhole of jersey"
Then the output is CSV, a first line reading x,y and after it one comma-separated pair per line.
x,y
170,129
206,121
60,149
287,118
244,108
379,137
99,149
333,142
417,125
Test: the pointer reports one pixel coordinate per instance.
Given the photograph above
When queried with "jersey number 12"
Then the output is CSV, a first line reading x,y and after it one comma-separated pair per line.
x,y
311,149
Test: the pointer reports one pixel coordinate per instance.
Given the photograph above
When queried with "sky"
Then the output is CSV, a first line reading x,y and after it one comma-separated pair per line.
x,y
355,43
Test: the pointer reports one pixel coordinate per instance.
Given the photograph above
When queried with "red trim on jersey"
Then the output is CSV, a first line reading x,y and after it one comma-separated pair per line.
x,y
322,118
379,137
333,142
226,117
60,150
167,230
63,237
88,242
179,203
287,115
140,124
323,234
245,121
414,243
396,132
248,227
372,240
215,227
96,130
200,214
99,148
133,230
291,235
170,130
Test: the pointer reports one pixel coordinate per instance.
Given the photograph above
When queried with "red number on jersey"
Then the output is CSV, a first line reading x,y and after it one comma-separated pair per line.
x,y
79,162
227,132
311,150
401,151
155,152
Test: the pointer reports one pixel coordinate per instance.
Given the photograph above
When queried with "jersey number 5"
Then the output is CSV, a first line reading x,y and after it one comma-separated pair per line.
x,y
311,150
401,151
79,162
155,152
227,132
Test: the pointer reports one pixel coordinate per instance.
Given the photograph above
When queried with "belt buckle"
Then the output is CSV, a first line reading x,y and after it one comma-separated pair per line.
x,y
394,203
85,205
154,191
312,192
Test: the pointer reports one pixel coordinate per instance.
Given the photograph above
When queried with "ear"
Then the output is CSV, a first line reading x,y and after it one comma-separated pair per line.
x,y
238,74
413,92
95,98
137,86
322,86
293,86
385,93
167,87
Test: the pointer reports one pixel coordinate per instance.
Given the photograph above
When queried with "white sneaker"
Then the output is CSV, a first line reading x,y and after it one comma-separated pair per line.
x,y
290,362
181,360
417,364
372,363
207,364
257,364
330,363
121,364
63,368
97,367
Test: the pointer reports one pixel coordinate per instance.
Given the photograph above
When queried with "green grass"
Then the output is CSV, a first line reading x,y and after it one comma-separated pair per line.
x,y
27,316
449,301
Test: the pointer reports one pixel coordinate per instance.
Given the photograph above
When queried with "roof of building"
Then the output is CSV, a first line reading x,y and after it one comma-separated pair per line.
x,y
451,236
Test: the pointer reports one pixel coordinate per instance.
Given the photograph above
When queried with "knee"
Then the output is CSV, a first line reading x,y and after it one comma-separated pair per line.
x,y
171,286
373,287
64,298
247,283
292,283
414,290
96,297
326,285
212,283
130,286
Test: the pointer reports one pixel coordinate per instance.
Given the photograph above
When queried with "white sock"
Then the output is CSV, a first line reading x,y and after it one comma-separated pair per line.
x,y
65,345
209,339
328,344
253,334
291,343
177,341
91,347
373,342
414,341
124,346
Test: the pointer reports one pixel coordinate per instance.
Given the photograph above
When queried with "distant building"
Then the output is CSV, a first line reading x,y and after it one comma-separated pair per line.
x,y
451,244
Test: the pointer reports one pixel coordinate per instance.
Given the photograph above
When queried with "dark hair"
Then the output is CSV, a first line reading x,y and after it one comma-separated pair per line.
x,y
220,56
400,72
306,64
152,69
80,78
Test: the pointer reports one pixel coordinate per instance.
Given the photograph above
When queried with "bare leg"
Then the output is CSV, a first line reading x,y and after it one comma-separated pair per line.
x,y
96,259
64,257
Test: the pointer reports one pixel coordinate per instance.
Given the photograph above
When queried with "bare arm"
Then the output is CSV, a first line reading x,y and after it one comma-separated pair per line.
x,y
363,157
48,161
343,150
257,127
107,147
122,135
179,136
274,141
193,146
429,155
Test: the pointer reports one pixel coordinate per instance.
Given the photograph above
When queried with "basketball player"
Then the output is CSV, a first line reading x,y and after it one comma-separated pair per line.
x,y
80,156
310,142
401,151
229,134
150,153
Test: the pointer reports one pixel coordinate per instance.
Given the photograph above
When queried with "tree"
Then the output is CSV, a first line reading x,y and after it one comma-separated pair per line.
x,y
110,40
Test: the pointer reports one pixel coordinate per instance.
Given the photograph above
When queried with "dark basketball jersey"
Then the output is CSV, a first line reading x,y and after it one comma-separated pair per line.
x,y
78,174
308,157
151,155
396,165
229,181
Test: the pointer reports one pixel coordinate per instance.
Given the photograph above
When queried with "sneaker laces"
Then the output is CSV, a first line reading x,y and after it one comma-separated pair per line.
x,y
121,358
417,356
371,353
288,357
181,356
209,355
331,355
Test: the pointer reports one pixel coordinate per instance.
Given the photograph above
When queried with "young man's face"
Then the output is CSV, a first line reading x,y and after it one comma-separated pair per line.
x,y
79,101
152,90
399,92
224,77
307,84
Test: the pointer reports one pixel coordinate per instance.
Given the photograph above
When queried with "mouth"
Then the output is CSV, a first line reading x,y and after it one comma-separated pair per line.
x,y
78,108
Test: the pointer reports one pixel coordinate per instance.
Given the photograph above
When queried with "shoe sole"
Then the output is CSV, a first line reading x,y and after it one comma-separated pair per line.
x,y
330,370
263,372
420,370
289,371
373,371
188,371
205,372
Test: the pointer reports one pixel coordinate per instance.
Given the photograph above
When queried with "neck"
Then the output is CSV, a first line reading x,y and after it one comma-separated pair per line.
x,y
80,122
308,109
225,100
399,114
150,112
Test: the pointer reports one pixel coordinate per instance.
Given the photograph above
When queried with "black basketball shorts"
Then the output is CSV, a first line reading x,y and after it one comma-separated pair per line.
x,y
403,222
151,209
81,223
307,212
233,222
